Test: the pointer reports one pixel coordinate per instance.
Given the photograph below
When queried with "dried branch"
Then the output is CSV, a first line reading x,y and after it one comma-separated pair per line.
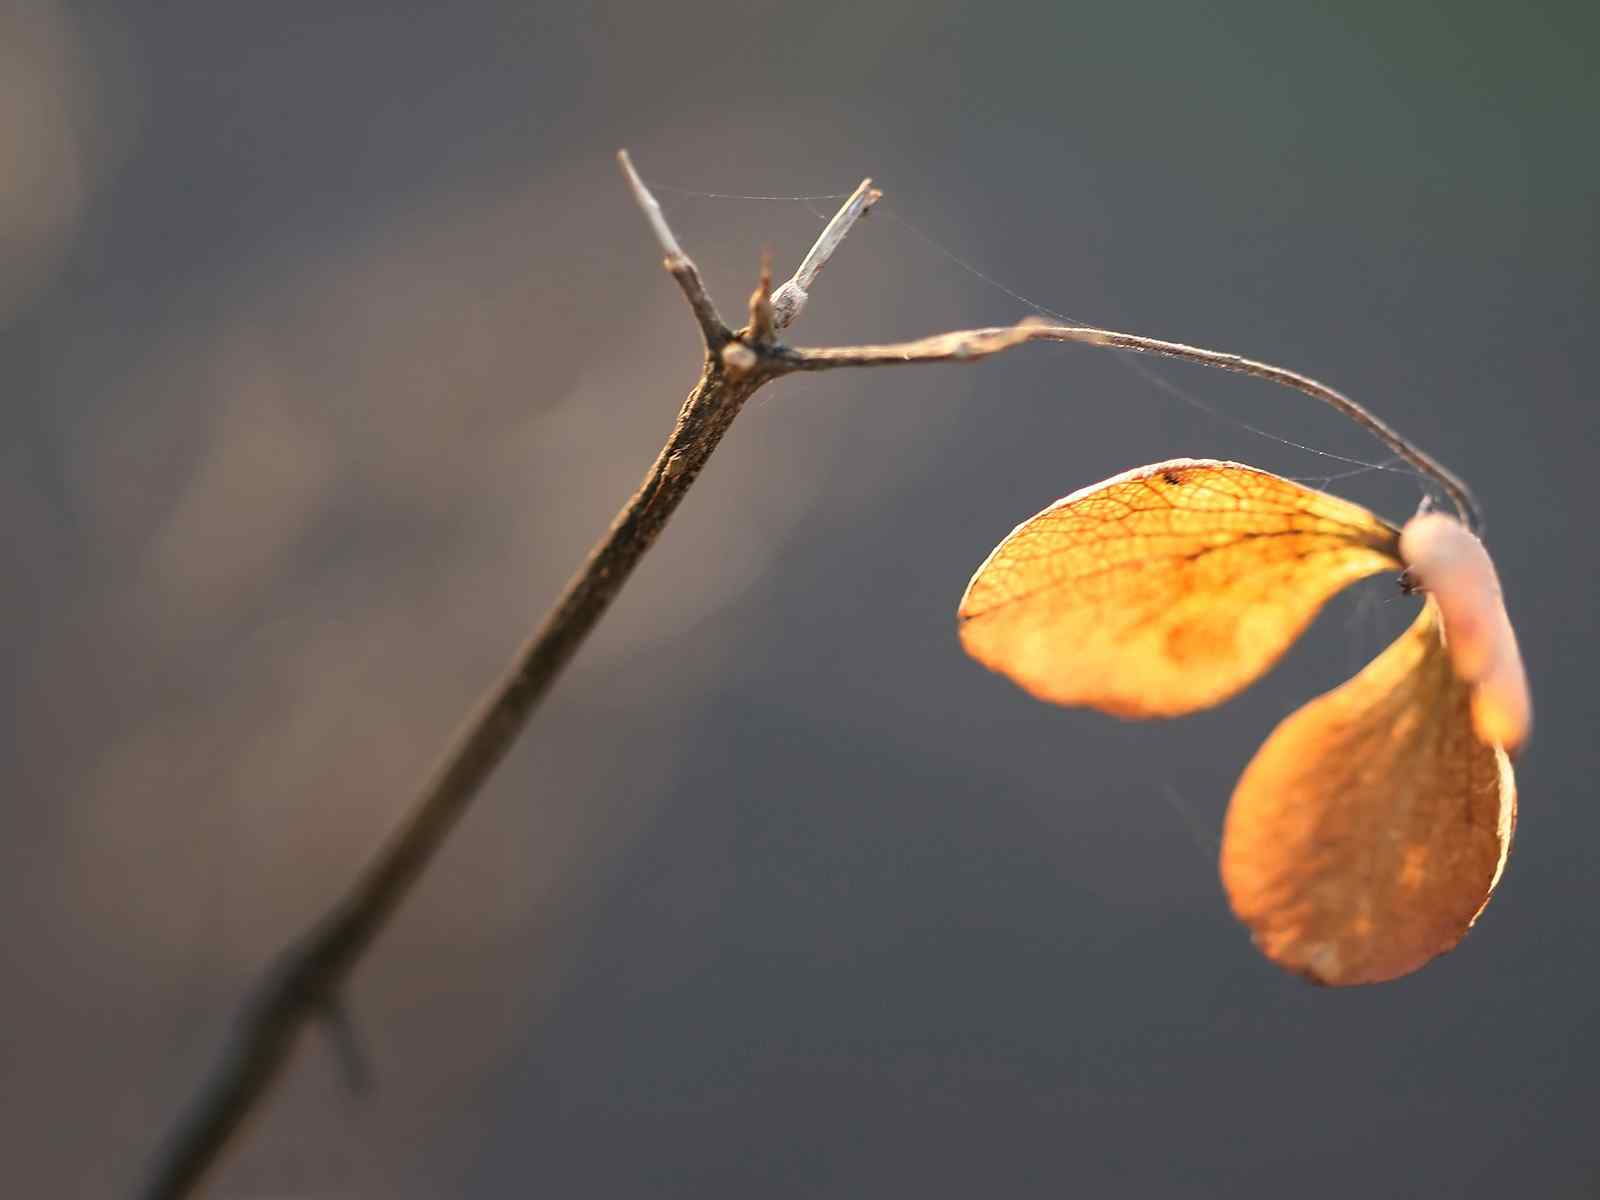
x,y
305,981
677,263
979,343
964,345
791,296
1454,486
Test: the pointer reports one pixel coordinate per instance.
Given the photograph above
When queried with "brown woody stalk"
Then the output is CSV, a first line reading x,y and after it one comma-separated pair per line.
x,y
305,980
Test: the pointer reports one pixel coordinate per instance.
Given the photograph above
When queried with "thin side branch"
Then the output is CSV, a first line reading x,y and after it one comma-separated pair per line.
x,y
1454,486
791,296
712,327
978,343
964,345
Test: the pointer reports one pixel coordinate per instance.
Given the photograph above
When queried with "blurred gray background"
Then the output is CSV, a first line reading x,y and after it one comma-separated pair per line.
x,y
330,339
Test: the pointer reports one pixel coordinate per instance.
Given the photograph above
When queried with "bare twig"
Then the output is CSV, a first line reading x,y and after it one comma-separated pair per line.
x,y
791,296
307,977
679,264
1454,486
964,345
977,343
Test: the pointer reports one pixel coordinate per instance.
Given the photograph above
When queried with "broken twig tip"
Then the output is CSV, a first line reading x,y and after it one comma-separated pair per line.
x,y
791,298
763,316
679,264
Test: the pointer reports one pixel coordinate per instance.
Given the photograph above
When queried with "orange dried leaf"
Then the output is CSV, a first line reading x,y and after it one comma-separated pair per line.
x,y
1367,833
1166,589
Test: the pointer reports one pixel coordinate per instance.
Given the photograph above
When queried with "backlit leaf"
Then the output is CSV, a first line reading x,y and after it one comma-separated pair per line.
x,y
1367,833
1166,589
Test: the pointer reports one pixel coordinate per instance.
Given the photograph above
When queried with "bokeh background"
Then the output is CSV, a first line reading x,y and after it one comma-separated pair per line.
x,y
329,339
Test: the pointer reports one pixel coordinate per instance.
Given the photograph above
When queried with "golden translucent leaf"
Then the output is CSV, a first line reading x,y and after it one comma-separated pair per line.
x,y
1166,589
1367,833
